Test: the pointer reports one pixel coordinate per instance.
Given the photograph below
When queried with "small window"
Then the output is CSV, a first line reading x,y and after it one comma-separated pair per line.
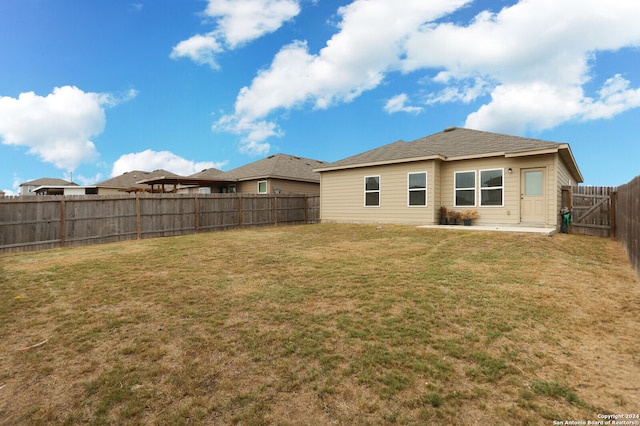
x,y
262,187
372,191
492,187
417,183
465,189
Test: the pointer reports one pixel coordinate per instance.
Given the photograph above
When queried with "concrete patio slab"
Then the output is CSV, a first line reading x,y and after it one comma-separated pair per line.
x,y
500,228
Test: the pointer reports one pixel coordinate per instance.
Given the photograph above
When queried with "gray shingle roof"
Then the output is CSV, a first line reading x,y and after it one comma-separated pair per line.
x,y
129,179
450,143
207,173
277,166
49,182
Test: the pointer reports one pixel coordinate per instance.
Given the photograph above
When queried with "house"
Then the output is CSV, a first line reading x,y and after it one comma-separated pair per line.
x,y
65,190
28,188
276,174
508,179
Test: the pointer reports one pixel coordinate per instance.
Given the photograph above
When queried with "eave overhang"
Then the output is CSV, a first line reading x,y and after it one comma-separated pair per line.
x,y
380,163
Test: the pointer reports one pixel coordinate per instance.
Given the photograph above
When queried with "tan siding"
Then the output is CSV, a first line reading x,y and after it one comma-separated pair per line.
x,y
248,187
294,187
342,191
507,214
435,192
564,179
510,212
109,191
285,186
342,195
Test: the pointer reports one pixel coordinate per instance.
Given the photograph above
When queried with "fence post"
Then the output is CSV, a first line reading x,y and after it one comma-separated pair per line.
x,y
612,212
63,223
570,206
239,211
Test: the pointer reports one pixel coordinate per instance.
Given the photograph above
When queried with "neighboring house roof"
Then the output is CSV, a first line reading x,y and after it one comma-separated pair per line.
x,y
130,179
282,166
48,182
207,173
456,143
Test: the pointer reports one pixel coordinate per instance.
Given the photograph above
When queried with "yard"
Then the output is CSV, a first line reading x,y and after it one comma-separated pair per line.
x,y
321,324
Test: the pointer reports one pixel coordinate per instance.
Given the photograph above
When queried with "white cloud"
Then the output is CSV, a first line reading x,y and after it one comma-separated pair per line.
x,y
150,160
614,97
398,104
15,187
83,180
533,58
242,21
518,108
465,91
254,133
536,54
201,49
237,22
354,60
58,127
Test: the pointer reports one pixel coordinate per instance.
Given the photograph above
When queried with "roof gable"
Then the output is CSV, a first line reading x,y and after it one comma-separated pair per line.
x,y
281,166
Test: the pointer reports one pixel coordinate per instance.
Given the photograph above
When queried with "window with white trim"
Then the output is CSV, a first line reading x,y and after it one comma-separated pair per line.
x,y
492,187
262,187
372,191
417,186
465,189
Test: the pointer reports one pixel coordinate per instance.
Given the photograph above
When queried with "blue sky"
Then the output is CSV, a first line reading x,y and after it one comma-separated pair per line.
x,y
101,87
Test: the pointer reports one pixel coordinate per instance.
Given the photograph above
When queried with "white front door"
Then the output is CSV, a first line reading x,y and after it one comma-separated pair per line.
x,y
532,196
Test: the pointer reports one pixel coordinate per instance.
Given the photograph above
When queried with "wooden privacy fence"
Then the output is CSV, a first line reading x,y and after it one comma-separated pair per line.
x,y
42,222
593,212
627,222
607,212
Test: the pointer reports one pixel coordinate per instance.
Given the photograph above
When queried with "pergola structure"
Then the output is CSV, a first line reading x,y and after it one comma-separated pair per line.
x,y
162,182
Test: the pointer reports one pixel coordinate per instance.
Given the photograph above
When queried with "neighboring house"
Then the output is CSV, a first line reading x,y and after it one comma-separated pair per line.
x,y
130,182
28,188
507,179
276,174
65,190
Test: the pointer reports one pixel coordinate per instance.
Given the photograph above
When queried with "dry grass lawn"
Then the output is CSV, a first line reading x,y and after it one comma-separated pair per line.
x,y
321,324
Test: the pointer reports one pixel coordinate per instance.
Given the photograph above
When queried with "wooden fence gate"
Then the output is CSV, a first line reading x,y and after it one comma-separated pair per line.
x,y
593,212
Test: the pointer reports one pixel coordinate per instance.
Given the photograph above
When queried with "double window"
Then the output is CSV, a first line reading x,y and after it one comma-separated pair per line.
x,y
372,191
491,185
417,183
